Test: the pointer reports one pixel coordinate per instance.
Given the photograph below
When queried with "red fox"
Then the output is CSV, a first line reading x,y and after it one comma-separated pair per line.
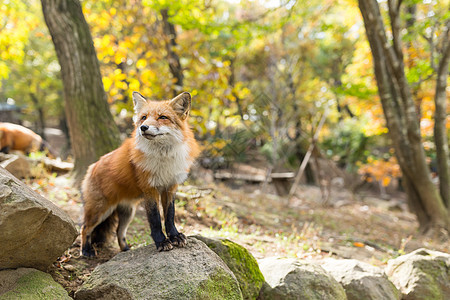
x,y
17,137
147,166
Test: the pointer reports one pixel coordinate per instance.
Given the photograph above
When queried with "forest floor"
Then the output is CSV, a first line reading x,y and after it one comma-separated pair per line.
x,y
366,228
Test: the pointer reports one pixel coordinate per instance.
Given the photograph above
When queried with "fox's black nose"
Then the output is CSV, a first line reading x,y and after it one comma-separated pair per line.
x,y
144,128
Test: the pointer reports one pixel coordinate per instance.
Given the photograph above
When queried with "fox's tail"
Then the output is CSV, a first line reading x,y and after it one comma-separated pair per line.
x,y
105,230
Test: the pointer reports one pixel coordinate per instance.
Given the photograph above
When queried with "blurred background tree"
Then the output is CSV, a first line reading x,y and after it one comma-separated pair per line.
x,y
91,125
399,85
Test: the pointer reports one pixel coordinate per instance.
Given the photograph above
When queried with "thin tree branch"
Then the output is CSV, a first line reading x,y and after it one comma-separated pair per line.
x,y
395,27
302,167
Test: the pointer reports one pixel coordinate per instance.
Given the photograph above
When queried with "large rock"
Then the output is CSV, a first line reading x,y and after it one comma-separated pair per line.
x,y
293,279
26,283
16,164
241,263
33,231
193,272
421,274
361,280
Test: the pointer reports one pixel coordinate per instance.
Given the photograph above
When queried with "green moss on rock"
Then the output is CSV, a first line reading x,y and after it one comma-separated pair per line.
x,y
218,287
421,274
29,284
192,272
241,263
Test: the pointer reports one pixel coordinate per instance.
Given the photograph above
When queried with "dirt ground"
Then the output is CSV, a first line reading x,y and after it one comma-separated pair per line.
x,y
363,227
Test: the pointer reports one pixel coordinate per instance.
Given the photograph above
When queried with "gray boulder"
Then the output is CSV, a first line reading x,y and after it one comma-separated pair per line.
x,y
241,263
293,279
16,164
192,272
26,283
34,232
361,280
421,274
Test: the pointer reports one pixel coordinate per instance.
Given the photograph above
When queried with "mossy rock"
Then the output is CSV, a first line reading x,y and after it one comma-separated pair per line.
x,y
192,272
292,279
241,263
29,284
421,274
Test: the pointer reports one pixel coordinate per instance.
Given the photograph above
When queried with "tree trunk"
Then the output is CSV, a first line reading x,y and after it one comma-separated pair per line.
x,y
41,122
65,150
401,116
91,125
440,128
172,56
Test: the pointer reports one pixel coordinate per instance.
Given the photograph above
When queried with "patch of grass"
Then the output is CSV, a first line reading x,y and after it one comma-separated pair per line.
x,y
139,233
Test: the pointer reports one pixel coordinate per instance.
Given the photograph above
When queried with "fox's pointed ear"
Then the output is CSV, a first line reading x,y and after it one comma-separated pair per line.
x,y
139,101
182,104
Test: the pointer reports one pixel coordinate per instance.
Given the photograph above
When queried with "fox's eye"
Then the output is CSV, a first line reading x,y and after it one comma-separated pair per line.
x,y
163,118
143,118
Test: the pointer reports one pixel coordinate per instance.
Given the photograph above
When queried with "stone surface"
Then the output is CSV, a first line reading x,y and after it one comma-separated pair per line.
x,y
33,231
241,263
27,283
361,280
293,279
193,272
421,274
56,165
16,164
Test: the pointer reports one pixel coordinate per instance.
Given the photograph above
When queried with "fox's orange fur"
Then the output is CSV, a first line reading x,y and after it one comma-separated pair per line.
x,y
148,166
17,137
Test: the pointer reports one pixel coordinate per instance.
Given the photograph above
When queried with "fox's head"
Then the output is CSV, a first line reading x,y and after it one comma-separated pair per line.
x,y
161,123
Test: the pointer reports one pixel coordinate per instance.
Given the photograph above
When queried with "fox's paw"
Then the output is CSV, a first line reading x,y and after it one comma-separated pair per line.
x,y
164,245
124,245
88,251
178,240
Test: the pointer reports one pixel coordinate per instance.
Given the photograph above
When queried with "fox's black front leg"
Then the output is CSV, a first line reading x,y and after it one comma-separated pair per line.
x,y
5,150
176,238
154,218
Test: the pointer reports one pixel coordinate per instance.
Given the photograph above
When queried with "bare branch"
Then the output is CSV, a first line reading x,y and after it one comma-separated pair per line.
x,y
395,27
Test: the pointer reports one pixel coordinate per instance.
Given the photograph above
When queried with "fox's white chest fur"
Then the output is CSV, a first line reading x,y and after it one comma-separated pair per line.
x,y
168,165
